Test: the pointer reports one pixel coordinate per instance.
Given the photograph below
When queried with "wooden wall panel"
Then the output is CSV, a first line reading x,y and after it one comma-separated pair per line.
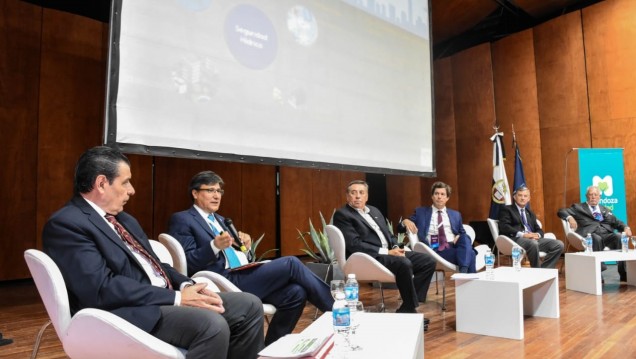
x,y
304,192
609,30
516,105
19,78
445,136
474,120
403,196
72,82
296,207
563,107
258,204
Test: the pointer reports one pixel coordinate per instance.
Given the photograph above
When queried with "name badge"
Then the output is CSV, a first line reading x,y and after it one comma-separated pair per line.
x,y
434,241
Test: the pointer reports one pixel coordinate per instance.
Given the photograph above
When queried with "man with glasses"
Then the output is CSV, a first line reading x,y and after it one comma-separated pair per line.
x,y
284,282
599,221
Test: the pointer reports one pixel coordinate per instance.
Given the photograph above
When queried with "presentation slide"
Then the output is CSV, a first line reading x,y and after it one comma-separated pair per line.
x,y
340,84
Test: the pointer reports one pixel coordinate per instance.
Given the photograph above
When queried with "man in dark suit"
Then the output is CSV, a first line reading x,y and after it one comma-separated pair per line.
x,y
365,230
284,282
592,218
444,232
108,263
519,223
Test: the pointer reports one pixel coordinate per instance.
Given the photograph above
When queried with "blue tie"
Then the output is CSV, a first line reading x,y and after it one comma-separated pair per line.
x,y
597,214
229,253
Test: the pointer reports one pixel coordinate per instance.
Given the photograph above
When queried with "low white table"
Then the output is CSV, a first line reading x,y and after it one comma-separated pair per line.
x,y
583,270
376,333
496,307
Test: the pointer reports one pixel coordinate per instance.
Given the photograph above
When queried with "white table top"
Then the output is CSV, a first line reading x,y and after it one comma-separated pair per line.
x,y
526,277
378,330
611,255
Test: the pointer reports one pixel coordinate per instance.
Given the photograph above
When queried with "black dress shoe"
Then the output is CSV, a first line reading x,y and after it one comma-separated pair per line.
x,y
426,321
623,277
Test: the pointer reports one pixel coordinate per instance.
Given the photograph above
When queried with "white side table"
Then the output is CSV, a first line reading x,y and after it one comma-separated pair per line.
x,y
496,307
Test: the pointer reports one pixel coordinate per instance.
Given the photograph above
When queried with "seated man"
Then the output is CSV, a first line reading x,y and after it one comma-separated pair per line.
x,y
519,223
365,230
284,282
597,220
108,263
444,232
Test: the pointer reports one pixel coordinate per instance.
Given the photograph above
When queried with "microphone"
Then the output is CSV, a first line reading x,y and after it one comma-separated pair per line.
x,y
237,240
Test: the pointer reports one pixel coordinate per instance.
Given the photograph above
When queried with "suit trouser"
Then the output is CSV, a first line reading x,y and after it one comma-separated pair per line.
x,y
237,333
287,284
602,238
413,274
552,248
461,254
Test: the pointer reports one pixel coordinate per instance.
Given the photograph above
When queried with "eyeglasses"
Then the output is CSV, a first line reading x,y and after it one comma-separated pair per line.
x,y
219,191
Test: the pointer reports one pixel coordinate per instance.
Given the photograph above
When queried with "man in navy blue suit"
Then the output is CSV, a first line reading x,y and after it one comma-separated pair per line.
x,y
437,223
107,263
284,282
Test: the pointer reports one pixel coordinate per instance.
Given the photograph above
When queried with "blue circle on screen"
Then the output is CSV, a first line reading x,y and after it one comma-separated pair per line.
x,y
195,5
251,37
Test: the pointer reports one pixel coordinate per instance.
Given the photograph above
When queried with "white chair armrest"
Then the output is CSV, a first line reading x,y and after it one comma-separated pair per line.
x,y
220,281
442,263
117,338
367,268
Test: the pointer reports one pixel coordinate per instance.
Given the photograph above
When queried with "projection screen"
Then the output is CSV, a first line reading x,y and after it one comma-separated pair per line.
x,y
338,84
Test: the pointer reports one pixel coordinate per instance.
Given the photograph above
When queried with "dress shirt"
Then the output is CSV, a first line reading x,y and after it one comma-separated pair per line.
x,y
155,278
433,228
367,217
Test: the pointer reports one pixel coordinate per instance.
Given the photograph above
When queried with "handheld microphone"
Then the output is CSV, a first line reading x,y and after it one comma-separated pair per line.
x,y
237,240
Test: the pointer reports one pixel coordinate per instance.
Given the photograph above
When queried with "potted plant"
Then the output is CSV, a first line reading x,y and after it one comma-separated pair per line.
x,y
255,245
317,247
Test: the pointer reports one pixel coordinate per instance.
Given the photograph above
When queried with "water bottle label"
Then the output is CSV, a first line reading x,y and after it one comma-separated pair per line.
x,y
351,293
341,317
490,260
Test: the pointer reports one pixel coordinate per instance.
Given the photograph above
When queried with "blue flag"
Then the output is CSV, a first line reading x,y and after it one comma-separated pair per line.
x,y
500,190
520,177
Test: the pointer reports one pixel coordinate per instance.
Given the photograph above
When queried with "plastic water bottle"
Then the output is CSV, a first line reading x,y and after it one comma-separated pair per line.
x,y
588,243
341,323
489,258
624,243
351,289
516,257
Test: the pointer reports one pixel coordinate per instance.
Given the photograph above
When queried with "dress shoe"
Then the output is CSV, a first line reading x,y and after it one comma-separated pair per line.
x,y
426,321
623,277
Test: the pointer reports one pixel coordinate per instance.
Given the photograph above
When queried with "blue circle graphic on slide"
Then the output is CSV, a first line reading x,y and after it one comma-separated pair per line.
x,y
251,37
195,5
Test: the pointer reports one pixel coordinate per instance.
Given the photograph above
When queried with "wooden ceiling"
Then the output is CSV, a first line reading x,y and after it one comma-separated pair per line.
x,y
457,24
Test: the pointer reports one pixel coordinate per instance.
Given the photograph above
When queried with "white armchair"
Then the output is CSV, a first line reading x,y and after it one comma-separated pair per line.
x,y
365,267
90,333
443,265
175,250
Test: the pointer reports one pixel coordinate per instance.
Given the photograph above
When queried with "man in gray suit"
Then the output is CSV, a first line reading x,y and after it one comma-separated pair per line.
x,y
592,218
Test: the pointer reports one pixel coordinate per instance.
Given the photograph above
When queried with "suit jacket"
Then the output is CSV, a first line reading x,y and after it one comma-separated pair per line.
x,y
585,219
510,221
99,269
194,234
358,234
422,220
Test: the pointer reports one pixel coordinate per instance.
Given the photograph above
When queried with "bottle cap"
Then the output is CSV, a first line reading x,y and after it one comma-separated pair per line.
x,y
351,275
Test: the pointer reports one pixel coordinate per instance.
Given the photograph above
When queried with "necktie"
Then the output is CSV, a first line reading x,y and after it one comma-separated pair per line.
x,y
525,220
126,237
230,255
443,244
597,214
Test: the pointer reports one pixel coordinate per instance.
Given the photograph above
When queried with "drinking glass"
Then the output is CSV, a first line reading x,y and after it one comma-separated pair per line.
x,y
337,285
633,239
356,310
